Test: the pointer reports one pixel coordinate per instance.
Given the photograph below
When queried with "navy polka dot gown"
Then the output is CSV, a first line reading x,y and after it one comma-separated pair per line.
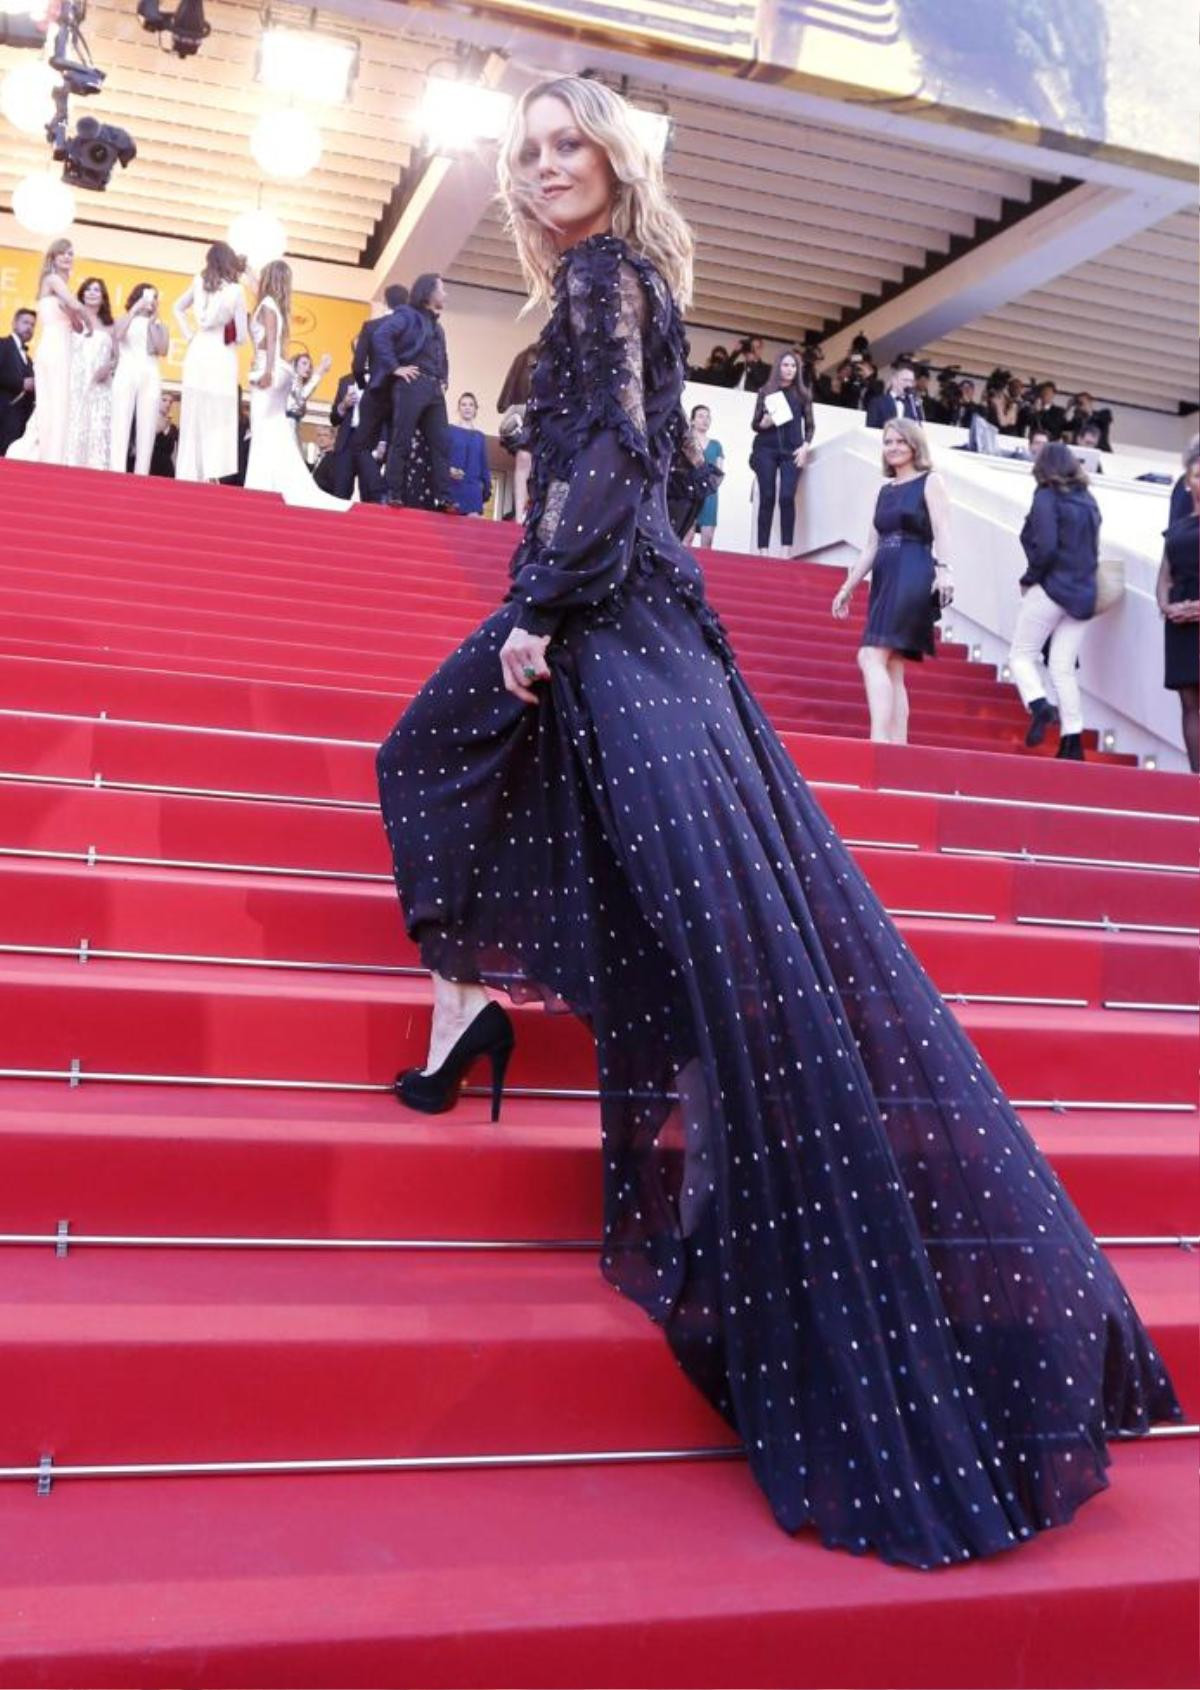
x,y
811,1181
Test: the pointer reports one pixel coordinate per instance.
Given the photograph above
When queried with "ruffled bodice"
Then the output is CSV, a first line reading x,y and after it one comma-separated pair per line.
x,y
603,424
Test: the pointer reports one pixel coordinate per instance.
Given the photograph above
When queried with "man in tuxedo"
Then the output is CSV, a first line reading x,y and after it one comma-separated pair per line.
x,y
900,400
16,378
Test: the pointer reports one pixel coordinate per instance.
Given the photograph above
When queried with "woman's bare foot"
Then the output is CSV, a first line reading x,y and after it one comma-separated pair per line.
x,y
454,1008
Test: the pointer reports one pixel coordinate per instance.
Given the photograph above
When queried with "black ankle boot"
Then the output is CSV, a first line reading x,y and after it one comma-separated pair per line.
x,y
1070,748
490,1034
1044,716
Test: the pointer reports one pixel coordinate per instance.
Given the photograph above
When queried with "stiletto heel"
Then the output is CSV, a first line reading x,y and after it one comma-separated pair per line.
x,y
490,1034
500,1059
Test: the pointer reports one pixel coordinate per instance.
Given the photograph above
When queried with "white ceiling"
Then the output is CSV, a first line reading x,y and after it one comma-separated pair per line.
x,y
1123,325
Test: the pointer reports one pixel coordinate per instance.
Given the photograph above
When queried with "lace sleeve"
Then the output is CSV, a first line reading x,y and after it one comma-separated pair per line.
x,y
585,531
626,374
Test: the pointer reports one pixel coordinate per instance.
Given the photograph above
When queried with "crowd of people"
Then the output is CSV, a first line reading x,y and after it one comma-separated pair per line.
x,y
92,394
1014,405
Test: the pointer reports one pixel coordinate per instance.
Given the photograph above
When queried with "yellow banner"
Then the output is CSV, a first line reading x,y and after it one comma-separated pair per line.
x,y
318,325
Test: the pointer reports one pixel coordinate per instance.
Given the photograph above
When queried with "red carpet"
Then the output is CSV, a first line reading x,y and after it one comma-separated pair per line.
x,y
181,670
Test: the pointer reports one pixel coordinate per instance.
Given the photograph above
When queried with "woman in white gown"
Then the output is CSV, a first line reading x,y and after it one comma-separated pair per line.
x,y
208,400
141,339
60,319
89,437
275,464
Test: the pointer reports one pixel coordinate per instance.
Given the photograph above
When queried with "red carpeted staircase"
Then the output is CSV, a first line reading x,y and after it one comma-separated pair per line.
x,y
204,990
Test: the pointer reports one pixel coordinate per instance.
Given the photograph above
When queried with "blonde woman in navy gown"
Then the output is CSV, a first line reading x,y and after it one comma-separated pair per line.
x,y
811,1181
905,557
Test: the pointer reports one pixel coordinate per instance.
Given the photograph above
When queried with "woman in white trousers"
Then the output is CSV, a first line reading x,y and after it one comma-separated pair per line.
x,y
141,339
1061,541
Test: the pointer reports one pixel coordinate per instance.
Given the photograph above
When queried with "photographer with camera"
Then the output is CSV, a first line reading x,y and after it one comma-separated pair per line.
x,y
1084,418
1003,401
1042,409
750,367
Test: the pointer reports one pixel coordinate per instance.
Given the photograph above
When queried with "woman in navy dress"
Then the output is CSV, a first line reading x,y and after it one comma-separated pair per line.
x,y
1178,594
811,1181
469,473
909,580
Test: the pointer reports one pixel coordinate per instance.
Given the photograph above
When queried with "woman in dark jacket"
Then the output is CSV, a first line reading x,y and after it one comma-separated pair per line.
x,y
780,450
1061,540
1178,595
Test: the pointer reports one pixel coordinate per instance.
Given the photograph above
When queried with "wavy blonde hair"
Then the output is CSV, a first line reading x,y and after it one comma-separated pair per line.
x,y
275,283
642,214
914,434
53,252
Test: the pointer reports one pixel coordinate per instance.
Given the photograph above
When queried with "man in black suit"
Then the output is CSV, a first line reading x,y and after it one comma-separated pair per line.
x,y
1045,412
384,345
16,378
749,364
900,400
346,458
419,396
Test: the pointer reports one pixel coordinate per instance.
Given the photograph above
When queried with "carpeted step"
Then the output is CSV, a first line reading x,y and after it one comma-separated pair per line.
x,y
258,1355
189,1161
222,1022
259,918
666,1575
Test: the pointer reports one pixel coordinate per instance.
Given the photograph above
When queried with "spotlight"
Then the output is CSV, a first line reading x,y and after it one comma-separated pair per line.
x,y
301,61
186,25
455,115
27,97
653,130
93,152
1150,763
260,235
43,204
1110,739
286,143
976,654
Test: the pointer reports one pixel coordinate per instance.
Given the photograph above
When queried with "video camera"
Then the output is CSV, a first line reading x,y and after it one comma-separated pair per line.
x,y
186,25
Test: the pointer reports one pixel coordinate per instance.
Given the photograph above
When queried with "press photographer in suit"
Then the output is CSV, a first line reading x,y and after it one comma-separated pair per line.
x,y
16,378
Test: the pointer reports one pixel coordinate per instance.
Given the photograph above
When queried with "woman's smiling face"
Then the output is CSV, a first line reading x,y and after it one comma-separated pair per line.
x,y
565,175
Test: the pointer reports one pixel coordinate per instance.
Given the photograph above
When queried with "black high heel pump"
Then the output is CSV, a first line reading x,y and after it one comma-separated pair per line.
x,y
490,1034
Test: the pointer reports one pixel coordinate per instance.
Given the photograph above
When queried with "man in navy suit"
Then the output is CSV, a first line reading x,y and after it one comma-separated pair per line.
x,y
16,378
386,345
899,401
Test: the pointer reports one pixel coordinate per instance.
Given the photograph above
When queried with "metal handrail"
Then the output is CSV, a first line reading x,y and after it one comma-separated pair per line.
x,y
46,1472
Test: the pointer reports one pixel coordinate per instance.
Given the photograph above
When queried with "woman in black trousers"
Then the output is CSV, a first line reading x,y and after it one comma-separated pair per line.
x,y
780,450
1178,595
